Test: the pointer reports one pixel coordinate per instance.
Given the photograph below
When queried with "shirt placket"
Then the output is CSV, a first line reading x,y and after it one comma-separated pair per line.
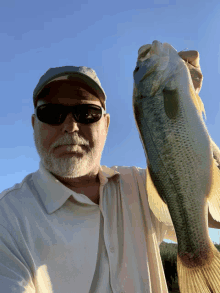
x,y
109,237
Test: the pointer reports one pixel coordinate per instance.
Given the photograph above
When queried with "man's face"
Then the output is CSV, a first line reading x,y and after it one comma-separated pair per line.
x,y
70,149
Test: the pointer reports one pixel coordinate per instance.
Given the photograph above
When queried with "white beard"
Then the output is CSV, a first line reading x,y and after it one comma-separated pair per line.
x,y
68,167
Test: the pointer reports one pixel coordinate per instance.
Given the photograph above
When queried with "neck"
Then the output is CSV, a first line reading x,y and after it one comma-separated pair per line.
x,y
87,185
86,180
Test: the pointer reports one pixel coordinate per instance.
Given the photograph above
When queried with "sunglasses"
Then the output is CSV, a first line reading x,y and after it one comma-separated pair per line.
x,y
56,113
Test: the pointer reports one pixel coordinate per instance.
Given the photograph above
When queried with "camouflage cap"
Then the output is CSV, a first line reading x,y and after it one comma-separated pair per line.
x,y
81,74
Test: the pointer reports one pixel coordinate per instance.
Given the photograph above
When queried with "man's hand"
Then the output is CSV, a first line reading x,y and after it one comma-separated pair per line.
x,y
192,61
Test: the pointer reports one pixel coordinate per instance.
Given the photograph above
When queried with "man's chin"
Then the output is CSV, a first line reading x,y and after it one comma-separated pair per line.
x,y
67,167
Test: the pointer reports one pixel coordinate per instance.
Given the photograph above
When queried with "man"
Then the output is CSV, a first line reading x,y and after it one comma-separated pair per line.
x,y
76,226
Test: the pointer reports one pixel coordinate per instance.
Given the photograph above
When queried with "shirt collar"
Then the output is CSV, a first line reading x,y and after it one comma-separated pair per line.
x,y
54,194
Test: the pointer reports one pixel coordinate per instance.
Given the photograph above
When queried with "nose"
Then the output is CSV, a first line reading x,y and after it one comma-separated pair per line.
x,y
70,124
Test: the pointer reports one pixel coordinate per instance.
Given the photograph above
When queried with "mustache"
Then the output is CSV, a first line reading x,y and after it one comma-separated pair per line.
x,y
68,140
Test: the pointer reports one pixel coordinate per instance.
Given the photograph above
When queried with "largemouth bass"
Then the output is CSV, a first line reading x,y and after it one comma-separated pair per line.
x,y
183,175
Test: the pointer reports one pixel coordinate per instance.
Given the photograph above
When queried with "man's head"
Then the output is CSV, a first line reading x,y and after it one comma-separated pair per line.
x,y
85,141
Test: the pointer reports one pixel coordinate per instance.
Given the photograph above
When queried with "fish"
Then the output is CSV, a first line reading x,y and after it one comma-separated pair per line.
x,y
183,162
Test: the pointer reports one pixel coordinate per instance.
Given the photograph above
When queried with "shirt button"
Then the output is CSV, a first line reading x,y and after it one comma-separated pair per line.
x,y
111,248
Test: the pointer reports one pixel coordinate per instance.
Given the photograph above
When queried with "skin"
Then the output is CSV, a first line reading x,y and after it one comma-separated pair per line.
x,y
192,61
77,165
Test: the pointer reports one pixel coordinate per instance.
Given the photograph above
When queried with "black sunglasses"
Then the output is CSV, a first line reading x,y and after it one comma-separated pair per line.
x,y
56,113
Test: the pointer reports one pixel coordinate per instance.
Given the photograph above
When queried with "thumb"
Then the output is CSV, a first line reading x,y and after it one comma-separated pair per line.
x,y
191,56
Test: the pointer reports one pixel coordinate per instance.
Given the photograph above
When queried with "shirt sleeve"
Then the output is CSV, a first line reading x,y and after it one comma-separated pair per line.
x,y
14,273
162,230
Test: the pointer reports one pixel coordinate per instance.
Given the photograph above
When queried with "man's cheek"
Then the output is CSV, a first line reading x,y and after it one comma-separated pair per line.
x,y
47,138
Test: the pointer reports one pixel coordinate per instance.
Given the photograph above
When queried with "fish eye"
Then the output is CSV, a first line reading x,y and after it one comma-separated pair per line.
x,y
136,69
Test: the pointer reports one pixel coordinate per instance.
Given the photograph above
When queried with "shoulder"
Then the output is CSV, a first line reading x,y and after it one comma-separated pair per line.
x,y
16,188
14,201
130,170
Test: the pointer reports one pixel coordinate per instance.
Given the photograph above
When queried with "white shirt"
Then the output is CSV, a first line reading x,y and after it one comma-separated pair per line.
x,y
51,244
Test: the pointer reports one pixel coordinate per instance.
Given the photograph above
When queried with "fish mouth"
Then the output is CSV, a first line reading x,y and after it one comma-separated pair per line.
x,y
140,73
153,60
143,51
147,57
146,51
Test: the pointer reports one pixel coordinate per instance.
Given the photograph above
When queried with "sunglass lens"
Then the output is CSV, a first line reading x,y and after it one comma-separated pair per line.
x,y
51,114
56,114
87,113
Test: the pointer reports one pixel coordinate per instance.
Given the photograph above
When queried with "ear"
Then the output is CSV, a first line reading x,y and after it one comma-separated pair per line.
x,y
107,119
33,117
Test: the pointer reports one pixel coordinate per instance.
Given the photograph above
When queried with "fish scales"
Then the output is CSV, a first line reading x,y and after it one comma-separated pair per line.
x,y
167,137
179,157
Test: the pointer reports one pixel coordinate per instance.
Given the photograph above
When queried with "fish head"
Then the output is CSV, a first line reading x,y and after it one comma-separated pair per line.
x,y
156,66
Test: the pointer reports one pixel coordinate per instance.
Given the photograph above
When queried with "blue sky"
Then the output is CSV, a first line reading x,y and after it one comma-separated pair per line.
x,y
103,35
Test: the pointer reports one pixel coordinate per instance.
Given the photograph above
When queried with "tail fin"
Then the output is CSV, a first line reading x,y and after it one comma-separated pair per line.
x,y
204,279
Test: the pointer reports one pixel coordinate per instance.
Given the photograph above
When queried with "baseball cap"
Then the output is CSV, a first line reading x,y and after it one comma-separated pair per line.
x,y
82,74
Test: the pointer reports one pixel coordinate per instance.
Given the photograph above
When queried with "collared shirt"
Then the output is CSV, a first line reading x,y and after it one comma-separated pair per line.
x,y
51,244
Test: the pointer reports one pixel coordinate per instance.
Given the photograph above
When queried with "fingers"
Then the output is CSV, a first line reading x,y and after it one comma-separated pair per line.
x,y
192,61
197,77
190,56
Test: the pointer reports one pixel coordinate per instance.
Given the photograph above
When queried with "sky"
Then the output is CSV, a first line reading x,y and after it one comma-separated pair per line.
x,y
105,36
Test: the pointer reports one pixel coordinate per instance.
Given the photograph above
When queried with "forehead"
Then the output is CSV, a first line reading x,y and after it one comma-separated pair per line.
x,y
67,93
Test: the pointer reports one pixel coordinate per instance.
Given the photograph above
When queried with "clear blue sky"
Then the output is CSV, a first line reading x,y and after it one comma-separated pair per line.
x,y
103,35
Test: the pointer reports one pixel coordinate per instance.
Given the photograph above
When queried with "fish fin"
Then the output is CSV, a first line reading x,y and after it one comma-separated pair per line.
x,y
159,208
216,152
214,194
157,205
170,234
203,278
212,223
197,101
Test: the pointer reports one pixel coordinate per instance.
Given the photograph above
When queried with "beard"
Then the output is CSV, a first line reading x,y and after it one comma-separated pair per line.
x,y
79,164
